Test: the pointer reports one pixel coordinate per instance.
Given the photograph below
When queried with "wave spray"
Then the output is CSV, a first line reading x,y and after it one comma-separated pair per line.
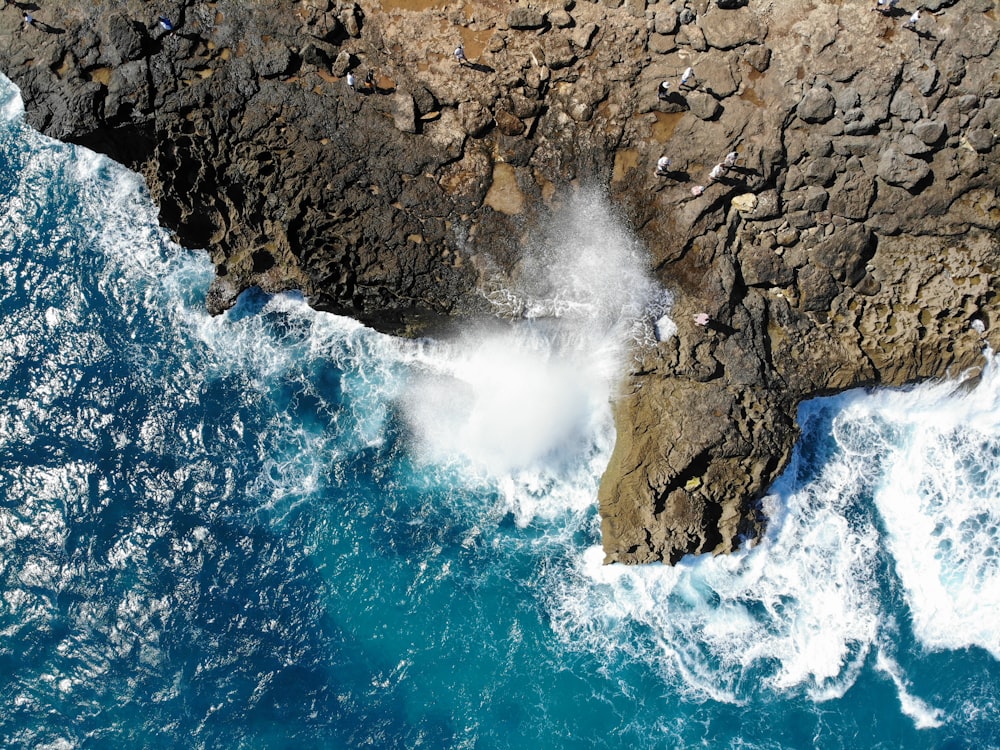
x,y
533,392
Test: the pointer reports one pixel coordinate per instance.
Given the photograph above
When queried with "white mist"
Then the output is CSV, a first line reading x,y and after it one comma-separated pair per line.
x,y
534,392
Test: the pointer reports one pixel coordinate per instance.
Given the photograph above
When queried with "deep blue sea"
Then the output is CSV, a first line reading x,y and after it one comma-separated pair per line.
x,y
279,529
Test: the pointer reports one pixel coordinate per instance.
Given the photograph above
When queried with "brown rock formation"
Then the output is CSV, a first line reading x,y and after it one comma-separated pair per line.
x,y
853,243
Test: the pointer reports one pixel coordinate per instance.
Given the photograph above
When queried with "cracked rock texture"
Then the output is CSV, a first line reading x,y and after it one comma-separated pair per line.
x,y
854,243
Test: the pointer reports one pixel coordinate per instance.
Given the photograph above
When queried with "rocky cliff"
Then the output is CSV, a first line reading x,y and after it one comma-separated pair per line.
x,y
854,243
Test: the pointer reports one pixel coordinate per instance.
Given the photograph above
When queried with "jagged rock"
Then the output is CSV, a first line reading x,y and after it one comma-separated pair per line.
x,y
508,124
856,122
275,61
930,132
349,21
768,205
897,168
404,112
855,145
318,54
637,8
476,119
522,106
423,100
801,219
991,109
967,102
127,39
786,236
853,193
910,145
662,45
686,16
812,198
817,288
692,36
665,21
845,253
924,76
745,203
583,35
559,54
716,77
733,29
820,171
525,18
560,19
703,106
817,105
848,99
758,57
128,89
980,139
342,64
764,267
906,106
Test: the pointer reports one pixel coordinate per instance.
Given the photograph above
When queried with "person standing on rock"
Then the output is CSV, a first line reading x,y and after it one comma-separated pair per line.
x,y
885,7
663,91
351,81
717,173
460,57
911,23
165,23
663,166
730,161
28,20
686,77
370,81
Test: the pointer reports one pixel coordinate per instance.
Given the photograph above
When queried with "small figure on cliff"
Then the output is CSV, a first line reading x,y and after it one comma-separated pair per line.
x,y
351,81
663,91
697,190
885,7
911,22
460,57
717,173
730,161
165,23
702,319
663,166
370,81
28,20
686,76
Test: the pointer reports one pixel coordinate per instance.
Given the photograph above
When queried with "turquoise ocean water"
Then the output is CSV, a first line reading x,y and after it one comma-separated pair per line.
x,y
279,529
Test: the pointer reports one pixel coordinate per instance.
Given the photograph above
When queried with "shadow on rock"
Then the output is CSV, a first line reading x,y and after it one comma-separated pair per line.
x,y
480,67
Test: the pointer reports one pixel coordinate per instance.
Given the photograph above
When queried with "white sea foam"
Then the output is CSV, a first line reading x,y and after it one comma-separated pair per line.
x,y
924,716
802,611
527,404
796,614
940,502
11,103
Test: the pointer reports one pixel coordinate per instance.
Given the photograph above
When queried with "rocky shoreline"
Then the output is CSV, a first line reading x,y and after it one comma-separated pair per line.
x,y
855,243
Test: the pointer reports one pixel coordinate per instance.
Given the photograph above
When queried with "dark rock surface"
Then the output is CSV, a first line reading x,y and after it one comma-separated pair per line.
x,y
853,244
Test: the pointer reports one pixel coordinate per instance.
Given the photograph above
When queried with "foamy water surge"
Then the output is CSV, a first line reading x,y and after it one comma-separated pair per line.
x,y
526,402
911,481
